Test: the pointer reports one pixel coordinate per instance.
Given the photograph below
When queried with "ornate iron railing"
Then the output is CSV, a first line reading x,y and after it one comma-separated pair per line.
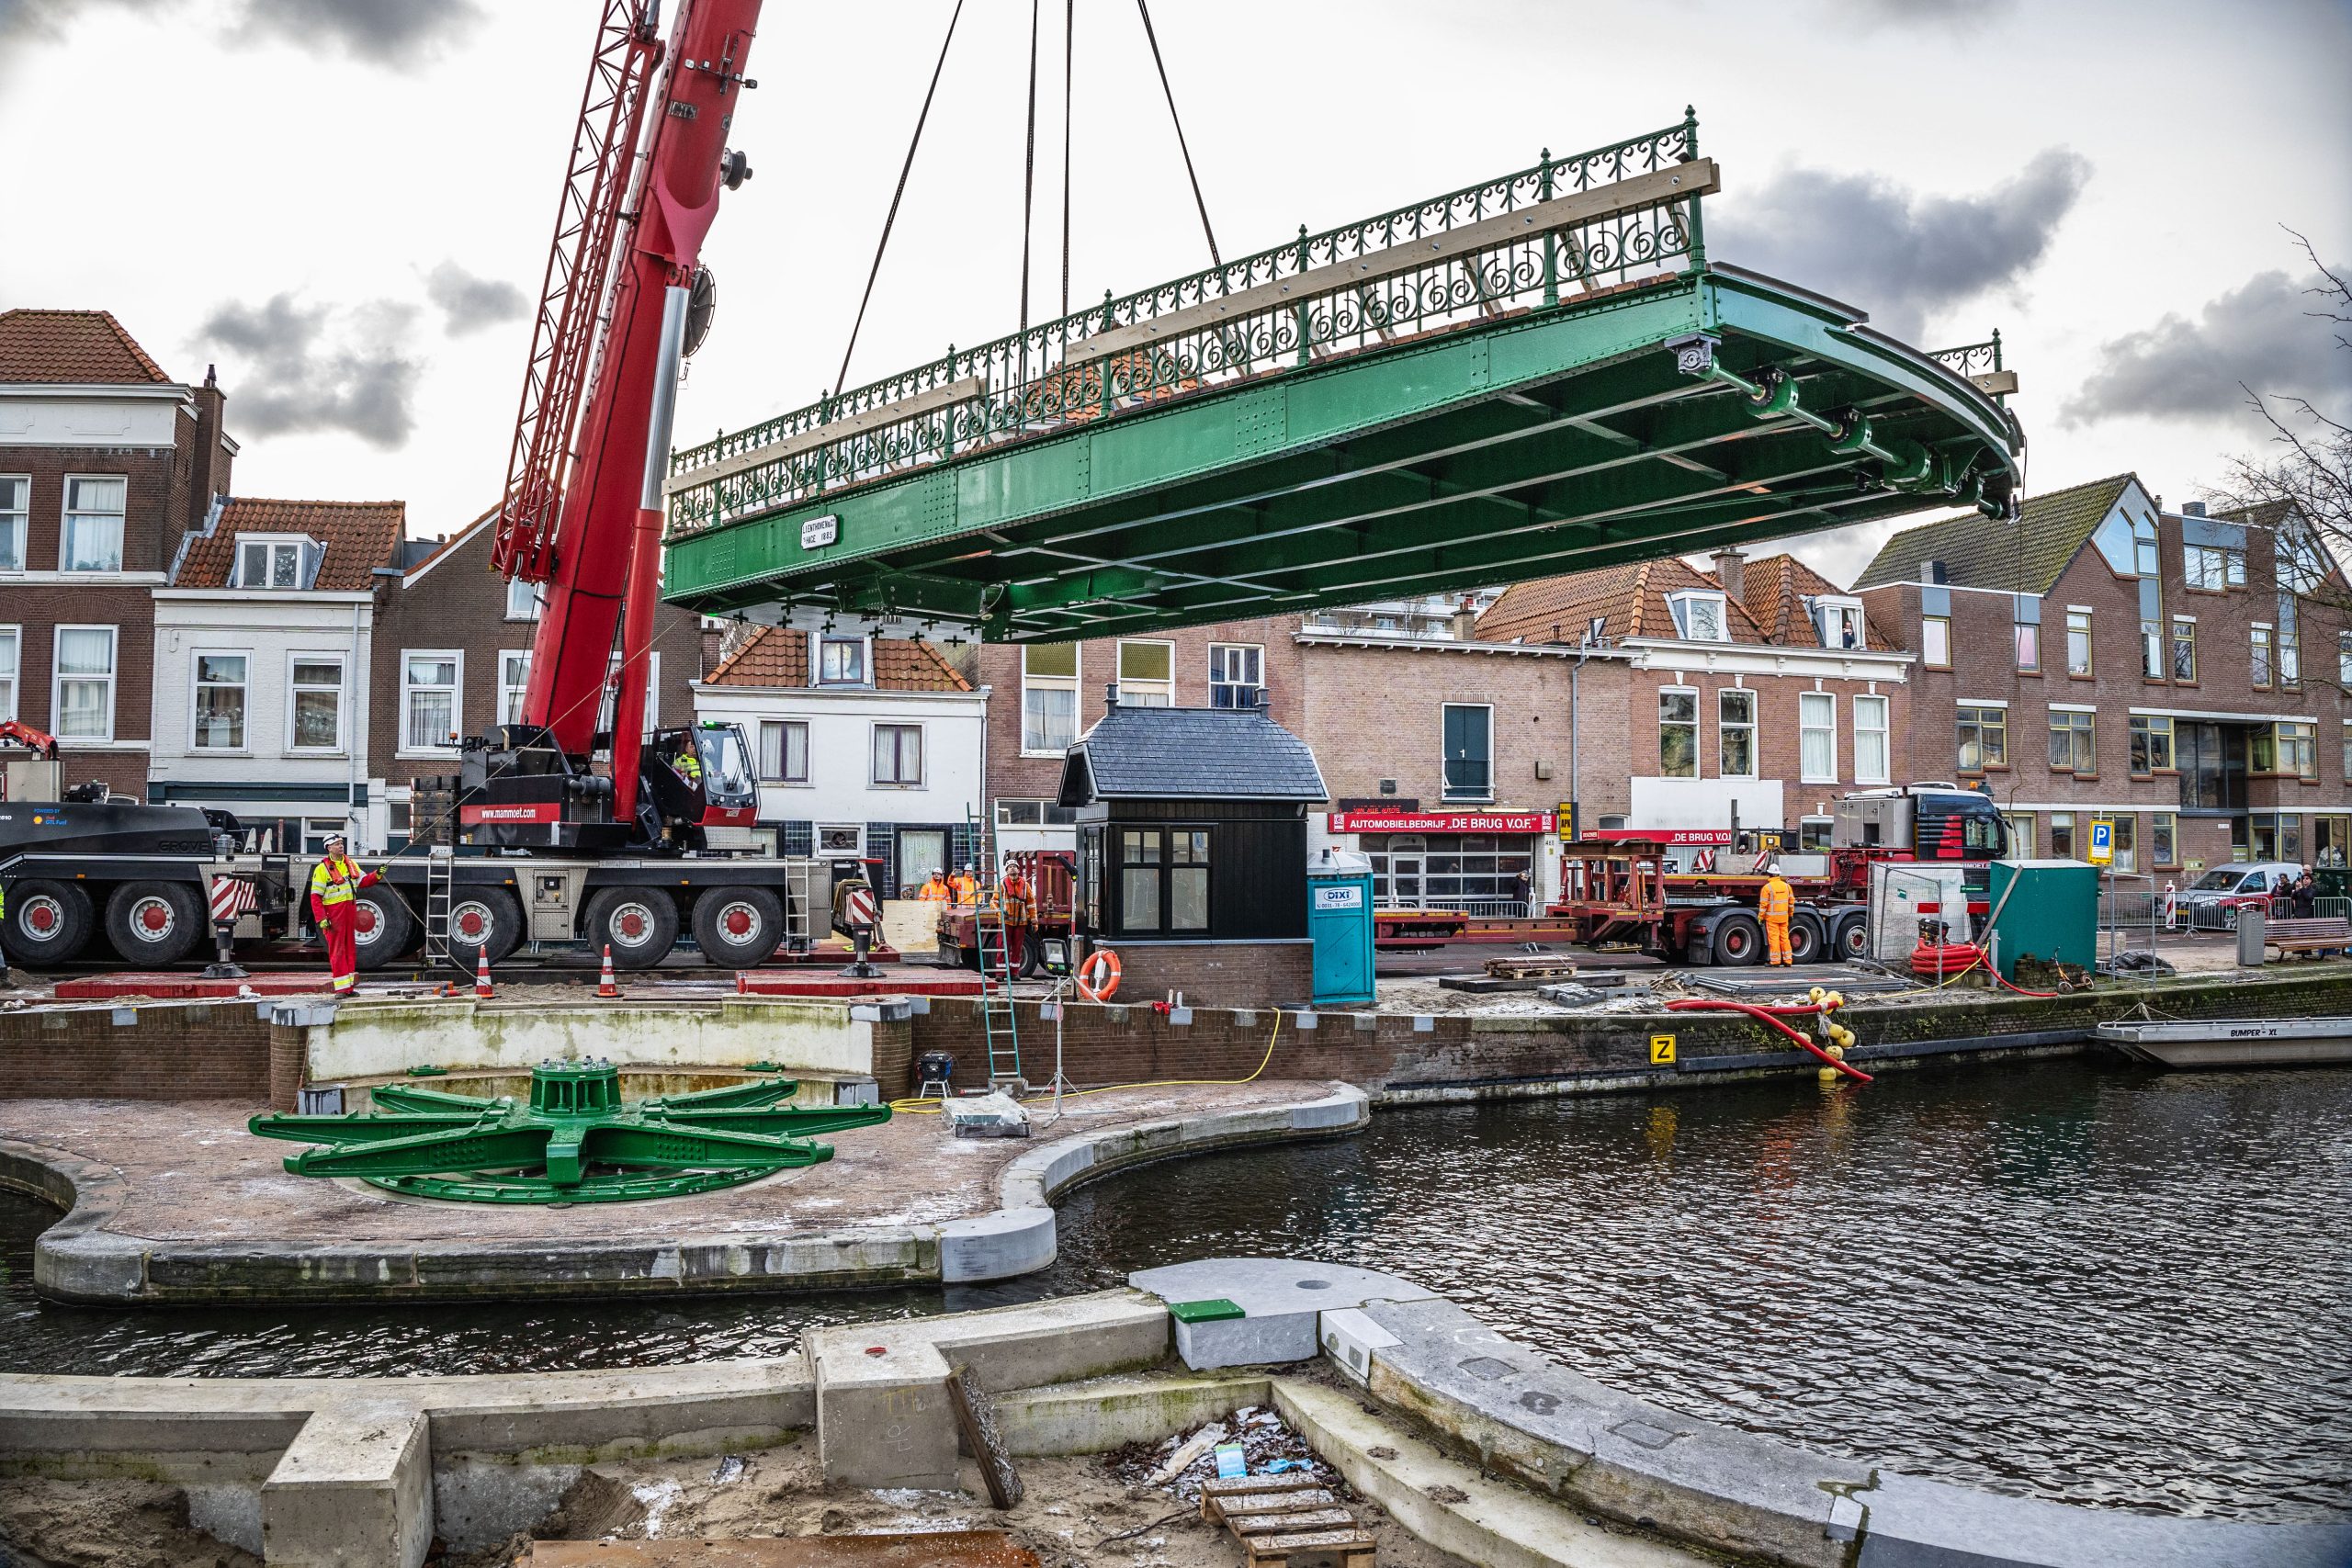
x,y
1044,379
1972,358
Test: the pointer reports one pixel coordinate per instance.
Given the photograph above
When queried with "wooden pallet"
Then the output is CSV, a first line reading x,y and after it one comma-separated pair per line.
x,y
1277,1517
1531,967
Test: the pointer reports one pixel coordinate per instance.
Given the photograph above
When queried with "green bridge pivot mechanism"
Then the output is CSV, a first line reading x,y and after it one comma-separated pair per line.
x,y
575,1141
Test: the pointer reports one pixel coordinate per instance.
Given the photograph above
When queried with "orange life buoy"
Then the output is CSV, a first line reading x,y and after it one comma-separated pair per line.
x,y
1101,959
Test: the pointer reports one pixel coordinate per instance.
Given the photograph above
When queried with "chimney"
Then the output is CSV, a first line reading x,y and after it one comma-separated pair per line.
x,y
209,467
1465,621
1111,695
2192,509
1731,570
1932,571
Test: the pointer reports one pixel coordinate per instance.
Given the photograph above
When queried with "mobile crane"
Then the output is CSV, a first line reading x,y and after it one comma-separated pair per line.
x,y
566,854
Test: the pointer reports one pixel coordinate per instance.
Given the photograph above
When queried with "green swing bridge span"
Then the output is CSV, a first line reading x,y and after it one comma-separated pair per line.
x,y
1540,373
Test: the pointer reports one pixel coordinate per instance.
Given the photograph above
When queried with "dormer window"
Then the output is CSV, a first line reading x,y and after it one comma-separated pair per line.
x,y
1699,617
275,563
841,660
1839,620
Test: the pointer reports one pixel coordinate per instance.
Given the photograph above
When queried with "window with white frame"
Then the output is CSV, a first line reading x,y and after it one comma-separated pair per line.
x,y
314,701
217,721
92,540
526,601
12,642
513,680
1840,621
1699,617
83,700
1147,675
1677,733
841,660
16,507
1817,737
1048,697
268,562
1870,740
430,710
1235,674
897,754
1736,721
783,751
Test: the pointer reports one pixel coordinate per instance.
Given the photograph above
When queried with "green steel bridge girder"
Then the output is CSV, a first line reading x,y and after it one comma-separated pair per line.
x,y
1552,441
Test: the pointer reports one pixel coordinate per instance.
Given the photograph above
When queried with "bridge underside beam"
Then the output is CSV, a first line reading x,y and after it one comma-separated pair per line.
x,y
1546,442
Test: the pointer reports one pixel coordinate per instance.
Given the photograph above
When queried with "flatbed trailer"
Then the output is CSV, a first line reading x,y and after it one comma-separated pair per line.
x,y
1053,877
1621,892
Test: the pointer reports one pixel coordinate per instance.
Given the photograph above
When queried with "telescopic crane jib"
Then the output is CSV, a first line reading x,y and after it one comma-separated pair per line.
x,y
583,507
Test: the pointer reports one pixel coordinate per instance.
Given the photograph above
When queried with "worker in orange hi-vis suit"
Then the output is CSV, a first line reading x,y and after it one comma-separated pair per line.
x,y
936,890
1776,903
335,882
1020,921
965,886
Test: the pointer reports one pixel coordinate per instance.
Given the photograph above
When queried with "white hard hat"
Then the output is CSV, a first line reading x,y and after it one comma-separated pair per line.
x,y
1774,869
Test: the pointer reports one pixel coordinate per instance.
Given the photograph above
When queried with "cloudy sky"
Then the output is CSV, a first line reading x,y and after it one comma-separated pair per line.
x,y
346,203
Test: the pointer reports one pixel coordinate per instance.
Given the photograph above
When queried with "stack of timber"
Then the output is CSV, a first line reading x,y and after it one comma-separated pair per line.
x,y
1277,1517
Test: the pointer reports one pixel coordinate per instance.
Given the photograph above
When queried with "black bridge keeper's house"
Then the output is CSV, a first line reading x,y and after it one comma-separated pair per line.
x,y
1191,851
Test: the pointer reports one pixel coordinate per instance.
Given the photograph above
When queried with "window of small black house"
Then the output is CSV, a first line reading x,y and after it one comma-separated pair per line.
x,y
1163,879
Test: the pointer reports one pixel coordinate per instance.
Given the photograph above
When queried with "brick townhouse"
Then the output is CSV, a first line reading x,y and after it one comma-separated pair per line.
x,y
107,465
452,657
2104,657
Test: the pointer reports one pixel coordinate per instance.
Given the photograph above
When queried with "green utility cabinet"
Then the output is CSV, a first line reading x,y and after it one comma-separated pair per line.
x,y
2046,908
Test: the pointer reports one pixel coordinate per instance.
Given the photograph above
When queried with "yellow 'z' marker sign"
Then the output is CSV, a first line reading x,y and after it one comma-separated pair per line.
x,y
1661,1050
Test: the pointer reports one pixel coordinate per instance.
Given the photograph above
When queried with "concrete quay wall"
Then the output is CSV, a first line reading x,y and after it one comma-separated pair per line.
x,y
1400,1059
365,1472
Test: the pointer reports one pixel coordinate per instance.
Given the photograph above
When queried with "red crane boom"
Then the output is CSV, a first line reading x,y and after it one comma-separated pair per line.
x,y
583,505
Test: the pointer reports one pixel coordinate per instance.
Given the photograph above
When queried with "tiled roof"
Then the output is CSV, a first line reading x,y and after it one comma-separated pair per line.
x,y
1775,589
2261,514
1630,599
1190,753
360,536
1977,551
72,348
774,657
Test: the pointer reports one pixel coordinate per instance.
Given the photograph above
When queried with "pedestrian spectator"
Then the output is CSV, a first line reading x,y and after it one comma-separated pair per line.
x,y
2306,895
1523,889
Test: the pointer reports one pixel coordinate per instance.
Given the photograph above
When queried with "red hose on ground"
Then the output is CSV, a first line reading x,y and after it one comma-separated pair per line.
x,y
1954,959
1764,1016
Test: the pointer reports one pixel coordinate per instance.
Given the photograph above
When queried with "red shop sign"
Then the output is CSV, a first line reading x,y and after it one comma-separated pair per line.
x,y
1440,821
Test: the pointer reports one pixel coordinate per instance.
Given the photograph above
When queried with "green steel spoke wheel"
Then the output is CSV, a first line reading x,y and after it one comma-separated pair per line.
x,y
574,1141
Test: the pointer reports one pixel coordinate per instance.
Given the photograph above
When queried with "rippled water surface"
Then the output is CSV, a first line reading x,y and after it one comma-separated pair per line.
x,y
2084,1283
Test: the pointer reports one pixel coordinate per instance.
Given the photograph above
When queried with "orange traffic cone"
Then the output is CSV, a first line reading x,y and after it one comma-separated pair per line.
x,y
742,984
604,984
482,988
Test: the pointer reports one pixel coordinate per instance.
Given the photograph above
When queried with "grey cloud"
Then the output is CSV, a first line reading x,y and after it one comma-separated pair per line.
x,y
2260,333
1960,15
305,368
385,32
468,303
1899,255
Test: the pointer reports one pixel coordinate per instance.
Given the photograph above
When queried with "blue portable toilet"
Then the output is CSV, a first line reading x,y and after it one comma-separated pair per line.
x,y
1338,920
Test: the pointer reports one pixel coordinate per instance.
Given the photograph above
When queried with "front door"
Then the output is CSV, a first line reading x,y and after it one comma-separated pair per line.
x,y
1405,881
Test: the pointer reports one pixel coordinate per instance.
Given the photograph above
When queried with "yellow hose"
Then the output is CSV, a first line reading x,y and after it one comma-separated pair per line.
x,y
926,1107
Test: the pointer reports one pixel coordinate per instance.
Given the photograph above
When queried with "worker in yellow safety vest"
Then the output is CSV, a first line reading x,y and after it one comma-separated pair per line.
x,y
335,882
688,765
936,890
965,886
1776,904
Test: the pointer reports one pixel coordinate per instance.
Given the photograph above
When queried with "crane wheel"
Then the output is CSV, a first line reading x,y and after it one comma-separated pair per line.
x,y
49,923
738,927
639,925
483,920
1738,939
154,922
382,927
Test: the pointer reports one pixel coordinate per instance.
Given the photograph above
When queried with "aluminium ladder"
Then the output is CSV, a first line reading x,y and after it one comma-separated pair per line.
x,y
997,1015
440,864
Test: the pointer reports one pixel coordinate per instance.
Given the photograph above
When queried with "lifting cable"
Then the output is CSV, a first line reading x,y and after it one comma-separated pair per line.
x,y
1144,6
892,217
1069,37
1029,182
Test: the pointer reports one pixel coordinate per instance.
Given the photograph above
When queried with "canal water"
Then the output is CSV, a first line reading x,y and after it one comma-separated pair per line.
x,y
2067,1279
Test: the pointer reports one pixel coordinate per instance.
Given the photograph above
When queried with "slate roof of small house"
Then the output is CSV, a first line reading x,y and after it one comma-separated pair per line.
x,y
1977,551
774,656
1145,753
358,536
73,348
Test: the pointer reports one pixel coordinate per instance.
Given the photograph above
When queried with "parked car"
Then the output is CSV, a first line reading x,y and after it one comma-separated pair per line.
x,y
2214,900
